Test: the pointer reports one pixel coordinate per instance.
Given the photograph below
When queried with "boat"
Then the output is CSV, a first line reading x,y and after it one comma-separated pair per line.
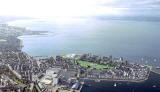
x,y
115,84
97,80
154,86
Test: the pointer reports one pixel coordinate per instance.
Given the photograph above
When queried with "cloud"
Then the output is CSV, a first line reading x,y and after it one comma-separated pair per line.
x,y
50,8
134,4
136,7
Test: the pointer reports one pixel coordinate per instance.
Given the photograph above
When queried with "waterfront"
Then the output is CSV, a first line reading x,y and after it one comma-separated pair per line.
x,y
134,40
150,85
140,39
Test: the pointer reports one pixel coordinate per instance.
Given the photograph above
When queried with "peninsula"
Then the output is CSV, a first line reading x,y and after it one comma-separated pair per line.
x,y
61,73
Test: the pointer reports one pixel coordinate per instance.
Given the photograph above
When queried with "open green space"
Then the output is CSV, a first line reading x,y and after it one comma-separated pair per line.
x,y
150,67
3,40
91,65
69,59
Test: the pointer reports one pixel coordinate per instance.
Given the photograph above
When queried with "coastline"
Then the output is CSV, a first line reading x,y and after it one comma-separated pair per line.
x,y
120,80
112,80
150,85
155,72
133,81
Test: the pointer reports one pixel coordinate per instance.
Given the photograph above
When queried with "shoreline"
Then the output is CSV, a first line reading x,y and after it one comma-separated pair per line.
x,y
155,72
120,80
113,80
133,81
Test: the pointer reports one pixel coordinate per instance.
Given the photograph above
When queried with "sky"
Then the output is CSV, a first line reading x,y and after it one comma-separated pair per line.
x,y
78,8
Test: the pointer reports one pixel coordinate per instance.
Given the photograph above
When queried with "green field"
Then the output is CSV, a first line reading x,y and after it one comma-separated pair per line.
x,y
2,40
150,67
65,58
91,65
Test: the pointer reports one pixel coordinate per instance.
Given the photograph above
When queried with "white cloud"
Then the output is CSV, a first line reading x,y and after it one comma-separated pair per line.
x,y
63,8
49,8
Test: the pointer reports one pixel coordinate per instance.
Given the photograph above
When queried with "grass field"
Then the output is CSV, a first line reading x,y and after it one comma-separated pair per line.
x,y
91,65
65,58
150,67
2,40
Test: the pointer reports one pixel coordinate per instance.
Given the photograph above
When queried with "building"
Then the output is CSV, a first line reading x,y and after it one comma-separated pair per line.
x,y
55,81
76,86
52,71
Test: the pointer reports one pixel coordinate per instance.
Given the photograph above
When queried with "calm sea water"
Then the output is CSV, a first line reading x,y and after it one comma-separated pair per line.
x,y
101,37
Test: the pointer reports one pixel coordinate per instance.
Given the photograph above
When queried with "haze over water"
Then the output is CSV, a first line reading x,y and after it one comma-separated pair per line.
x,y
101,37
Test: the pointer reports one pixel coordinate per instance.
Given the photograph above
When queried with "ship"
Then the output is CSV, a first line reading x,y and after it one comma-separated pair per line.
x,y
157,67
115,84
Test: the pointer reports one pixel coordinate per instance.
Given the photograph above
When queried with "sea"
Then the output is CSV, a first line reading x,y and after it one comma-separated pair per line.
x,y
134,40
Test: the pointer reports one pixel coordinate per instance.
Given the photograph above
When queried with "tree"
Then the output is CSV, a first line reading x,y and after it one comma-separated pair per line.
x,y
88,66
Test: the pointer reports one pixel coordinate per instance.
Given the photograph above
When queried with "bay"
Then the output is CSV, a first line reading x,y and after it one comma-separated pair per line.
x,y
101,37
